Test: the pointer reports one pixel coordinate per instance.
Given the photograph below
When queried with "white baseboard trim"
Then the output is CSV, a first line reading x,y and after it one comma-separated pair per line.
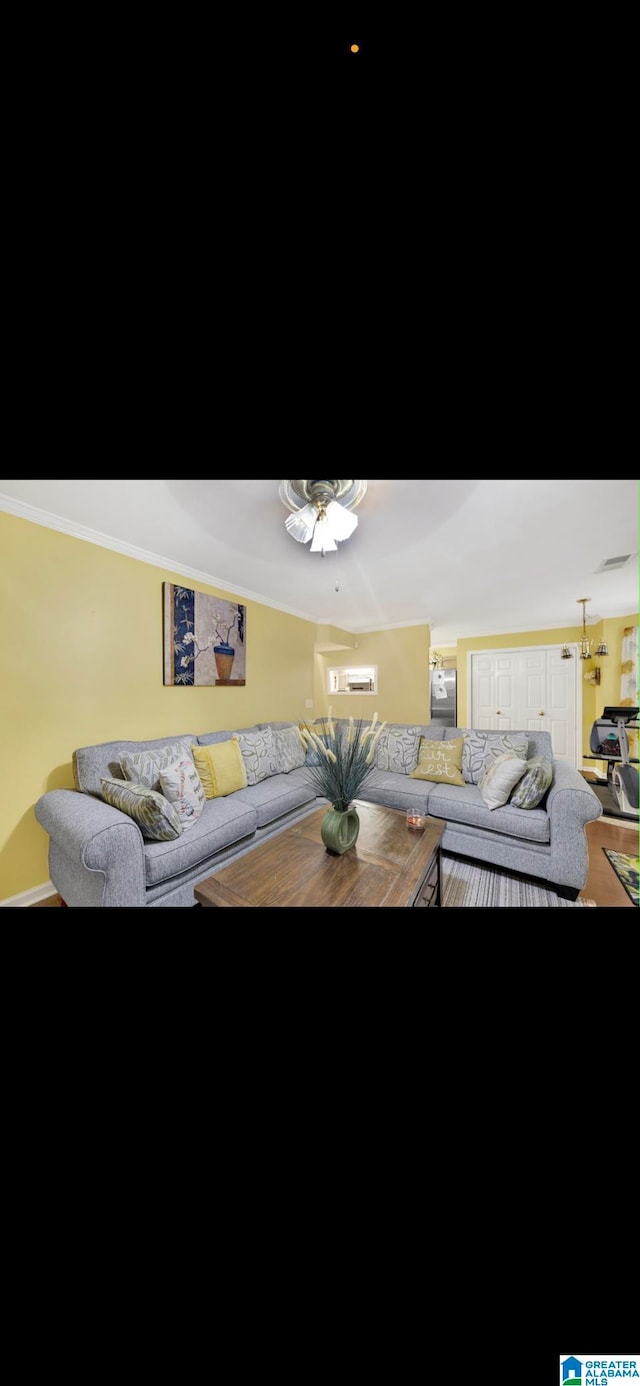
x,y
30,897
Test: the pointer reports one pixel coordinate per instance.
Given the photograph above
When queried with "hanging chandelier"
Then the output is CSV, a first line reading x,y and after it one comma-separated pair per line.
x,y
321,511
584,648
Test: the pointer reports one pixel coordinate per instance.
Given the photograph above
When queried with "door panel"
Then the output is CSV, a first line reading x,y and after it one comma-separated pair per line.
x,y
506,692
532,668
482,683
561,706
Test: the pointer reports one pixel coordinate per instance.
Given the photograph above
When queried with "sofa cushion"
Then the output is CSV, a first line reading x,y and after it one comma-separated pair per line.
x,y
258,754
221,768
213,738
465,805
434,732
275,726
276,796
222,822
157,819
143,767
396,791
91,763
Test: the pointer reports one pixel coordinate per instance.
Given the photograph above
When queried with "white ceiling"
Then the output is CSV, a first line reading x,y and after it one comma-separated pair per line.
x,y
470,557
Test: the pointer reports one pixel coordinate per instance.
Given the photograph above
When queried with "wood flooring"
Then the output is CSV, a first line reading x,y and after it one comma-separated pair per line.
x,y
602,883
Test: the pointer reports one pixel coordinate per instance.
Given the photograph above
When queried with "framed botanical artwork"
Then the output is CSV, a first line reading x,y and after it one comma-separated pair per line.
x,y
204,639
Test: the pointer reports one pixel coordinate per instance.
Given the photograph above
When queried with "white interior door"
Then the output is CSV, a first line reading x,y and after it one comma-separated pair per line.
x,y
526,690
560,708
506,688
484,699
533,689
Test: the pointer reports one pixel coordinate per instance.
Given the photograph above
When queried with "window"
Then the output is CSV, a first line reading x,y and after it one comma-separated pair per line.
x,y
350,679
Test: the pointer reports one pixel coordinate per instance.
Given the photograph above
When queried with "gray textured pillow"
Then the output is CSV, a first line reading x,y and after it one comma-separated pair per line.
x,y
258,753
398,749
537,779
290,752
482,747
157,819
143,767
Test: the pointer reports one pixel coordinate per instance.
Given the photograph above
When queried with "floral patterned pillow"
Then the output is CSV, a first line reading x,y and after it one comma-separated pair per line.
x,y
143,767
482,747
258,753
180,784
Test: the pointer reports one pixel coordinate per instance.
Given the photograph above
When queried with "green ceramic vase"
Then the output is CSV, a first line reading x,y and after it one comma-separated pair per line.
x,y
339,830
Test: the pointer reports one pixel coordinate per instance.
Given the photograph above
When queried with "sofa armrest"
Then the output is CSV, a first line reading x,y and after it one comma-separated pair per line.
x,y
571,804
570,793
96,853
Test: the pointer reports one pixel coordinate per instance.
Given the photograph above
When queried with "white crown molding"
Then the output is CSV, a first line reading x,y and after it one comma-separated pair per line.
x,y
373,630
30,897
507,630
105,541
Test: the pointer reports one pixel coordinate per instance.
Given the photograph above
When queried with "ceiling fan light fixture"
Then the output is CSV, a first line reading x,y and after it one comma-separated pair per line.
x,y
324,517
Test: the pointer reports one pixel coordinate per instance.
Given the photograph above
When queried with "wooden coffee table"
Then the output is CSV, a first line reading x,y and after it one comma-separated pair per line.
x,y
390,864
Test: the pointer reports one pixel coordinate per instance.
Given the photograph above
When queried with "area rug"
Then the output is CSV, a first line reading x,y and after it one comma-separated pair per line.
x,y
626,869
468,883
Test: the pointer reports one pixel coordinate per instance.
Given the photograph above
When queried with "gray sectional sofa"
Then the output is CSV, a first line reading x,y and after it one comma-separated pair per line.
x,y
98,856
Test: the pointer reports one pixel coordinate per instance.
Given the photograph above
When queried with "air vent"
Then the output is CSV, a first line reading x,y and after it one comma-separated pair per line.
x,y
608,564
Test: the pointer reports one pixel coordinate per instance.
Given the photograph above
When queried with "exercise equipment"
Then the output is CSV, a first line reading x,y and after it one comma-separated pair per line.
x,y
609,742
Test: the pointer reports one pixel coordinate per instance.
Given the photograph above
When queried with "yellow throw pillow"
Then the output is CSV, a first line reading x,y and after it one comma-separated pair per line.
x,y
220,767
440,761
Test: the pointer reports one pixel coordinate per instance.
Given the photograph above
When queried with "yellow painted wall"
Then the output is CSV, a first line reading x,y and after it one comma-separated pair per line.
x,y
402,657
81,662
335,636
592,695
